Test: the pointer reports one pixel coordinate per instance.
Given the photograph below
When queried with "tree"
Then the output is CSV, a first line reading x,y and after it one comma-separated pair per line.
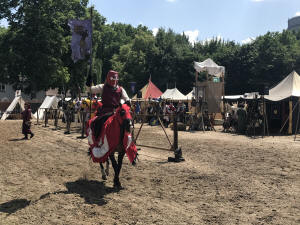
x,y
133,58
38,41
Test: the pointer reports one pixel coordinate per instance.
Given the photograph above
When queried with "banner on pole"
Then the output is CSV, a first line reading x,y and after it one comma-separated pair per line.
x,y
81,43
132,86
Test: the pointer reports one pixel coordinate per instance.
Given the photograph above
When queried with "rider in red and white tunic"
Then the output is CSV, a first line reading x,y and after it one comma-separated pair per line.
x,y
112,95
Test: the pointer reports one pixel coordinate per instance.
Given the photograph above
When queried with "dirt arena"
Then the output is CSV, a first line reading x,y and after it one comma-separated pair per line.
x,y
226,179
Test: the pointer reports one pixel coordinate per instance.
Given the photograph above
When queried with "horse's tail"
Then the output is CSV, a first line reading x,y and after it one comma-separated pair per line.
x,y
89,153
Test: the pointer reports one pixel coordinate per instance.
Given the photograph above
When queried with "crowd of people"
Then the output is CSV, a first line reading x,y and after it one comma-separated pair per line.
x,y
104,101
158,108
243,117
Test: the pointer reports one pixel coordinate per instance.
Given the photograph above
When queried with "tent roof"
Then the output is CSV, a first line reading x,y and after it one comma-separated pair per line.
x,y
149,91
49,102
173,94
289,86
210,66
17,100
190,95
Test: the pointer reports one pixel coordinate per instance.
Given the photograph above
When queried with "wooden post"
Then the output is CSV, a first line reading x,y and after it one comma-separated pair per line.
x,y
202,120
68,120
196,93
223,96
46,117
264,115
297,125
37,119
267,123
83,124
290,130
56,118
288,118
175,129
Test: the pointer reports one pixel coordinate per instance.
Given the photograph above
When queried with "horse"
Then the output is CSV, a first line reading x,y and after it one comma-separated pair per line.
x,y
109,134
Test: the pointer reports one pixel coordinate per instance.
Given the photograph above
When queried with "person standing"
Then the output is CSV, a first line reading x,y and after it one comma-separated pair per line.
x,y
26,116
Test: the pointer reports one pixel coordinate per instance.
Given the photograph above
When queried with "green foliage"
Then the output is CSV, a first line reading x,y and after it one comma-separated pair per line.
x,y
36,46
38,41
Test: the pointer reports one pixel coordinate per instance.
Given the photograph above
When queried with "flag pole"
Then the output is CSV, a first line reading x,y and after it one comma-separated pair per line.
x,y
91,62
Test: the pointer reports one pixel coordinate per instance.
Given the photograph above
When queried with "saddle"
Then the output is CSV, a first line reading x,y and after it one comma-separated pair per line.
x,y
97,123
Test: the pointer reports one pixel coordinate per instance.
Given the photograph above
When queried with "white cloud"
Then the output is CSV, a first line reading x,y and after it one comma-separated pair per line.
x,y
154,31
219,38
257,0
192,34
248,40
297,14
171,0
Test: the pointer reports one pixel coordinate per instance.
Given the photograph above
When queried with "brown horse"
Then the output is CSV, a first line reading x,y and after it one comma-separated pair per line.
x,y
109,134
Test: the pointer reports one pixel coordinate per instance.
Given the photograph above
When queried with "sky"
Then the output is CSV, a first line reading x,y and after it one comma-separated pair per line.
x,y
234,20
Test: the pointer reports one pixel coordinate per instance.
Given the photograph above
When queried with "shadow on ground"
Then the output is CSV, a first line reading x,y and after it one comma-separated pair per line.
x,y
14,205
92,191
18,139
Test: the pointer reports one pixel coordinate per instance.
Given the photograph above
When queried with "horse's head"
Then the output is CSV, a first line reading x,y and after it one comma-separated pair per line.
x,y
124,117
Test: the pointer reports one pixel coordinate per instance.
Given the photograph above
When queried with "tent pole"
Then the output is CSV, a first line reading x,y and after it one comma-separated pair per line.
x,y
290,130
223,94
296,131
287,118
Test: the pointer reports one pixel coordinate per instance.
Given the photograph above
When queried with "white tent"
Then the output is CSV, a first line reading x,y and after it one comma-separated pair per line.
x,y
17,100
233,97
173,94
49,102
190,95
288,87
252,95
211,67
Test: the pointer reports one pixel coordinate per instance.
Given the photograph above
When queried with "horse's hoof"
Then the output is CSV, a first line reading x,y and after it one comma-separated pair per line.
x,y
117,184
118,187
104,177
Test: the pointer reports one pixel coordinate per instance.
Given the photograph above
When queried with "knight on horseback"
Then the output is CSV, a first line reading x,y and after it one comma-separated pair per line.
x,y
111,96
109,131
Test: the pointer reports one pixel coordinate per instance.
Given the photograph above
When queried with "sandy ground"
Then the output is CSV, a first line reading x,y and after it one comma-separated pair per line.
x,y
225,179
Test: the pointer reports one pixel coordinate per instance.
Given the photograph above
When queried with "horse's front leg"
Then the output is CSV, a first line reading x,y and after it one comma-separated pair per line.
x,y
117,168
120,161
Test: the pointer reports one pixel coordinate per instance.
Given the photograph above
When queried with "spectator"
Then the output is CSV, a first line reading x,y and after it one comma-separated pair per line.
x,y
26,116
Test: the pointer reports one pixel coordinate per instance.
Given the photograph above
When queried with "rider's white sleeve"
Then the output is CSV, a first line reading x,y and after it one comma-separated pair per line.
x,y
98,89
124,95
